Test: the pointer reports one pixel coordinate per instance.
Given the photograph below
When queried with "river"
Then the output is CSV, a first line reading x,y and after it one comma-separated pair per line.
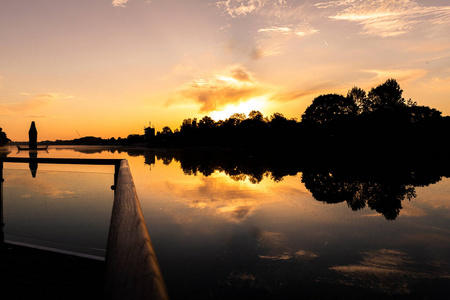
x,y
227,226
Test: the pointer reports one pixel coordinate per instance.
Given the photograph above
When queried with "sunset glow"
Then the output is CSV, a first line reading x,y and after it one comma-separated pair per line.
x,y
242,108
108,68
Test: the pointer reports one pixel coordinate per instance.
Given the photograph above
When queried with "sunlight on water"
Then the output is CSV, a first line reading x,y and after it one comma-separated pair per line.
x,y
223,230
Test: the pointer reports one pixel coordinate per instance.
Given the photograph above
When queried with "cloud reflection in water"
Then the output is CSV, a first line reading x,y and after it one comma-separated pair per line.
x,y
389,271
220,196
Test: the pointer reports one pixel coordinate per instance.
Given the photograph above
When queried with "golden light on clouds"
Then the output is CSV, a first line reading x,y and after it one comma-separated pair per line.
x,y
244,107
119,3
114,66
228,90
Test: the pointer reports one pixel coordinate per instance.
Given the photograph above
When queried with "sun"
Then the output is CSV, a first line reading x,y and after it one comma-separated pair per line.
x,y
257,103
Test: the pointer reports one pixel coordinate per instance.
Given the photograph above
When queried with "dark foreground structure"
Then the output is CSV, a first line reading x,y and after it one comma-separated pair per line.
x,y
131,270
28,273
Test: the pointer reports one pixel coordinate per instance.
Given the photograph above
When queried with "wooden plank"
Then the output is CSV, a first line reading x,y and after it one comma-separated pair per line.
x,y
132,268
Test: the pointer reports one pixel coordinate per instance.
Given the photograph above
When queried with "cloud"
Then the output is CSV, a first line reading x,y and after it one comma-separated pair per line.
x,y
51,96
299,30
119,3
399,74
265,49
232,86
284,30
273,38
274,23
387,18
32,103
313,90
237,8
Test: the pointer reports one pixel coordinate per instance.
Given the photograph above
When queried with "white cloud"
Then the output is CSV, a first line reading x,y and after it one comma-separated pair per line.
x,y
272,39
119,3
387,18
302,29
242,8
237,8
276,22
284,30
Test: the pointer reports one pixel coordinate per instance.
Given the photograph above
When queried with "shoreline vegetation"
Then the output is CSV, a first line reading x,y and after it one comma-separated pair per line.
x,y
360,124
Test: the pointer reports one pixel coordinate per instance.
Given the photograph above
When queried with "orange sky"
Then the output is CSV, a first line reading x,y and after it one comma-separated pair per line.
x,y
108,68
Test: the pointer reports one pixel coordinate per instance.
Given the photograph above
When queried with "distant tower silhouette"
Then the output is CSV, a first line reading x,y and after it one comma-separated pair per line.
x,y
149,134
32,136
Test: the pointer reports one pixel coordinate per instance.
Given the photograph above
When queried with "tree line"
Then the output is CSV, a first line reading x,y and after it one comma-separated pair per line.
x,y
380,120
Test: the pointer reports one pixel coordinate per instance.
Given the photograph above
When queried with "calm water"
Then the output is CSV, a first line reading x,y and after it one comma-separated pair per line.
x,y
228,226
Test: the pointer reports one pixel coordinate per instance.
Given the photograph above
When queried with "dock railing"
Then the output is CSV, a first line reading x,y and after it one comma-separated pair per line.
x,y
132,270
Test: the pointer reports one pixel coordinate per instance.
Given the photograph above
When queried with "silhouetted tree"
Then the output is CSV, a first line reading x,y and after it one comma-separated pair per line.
x,y
256,116
386,96
327,108
420,114
278,120
133,139
188,125
359,96
166,130
206,123
3,138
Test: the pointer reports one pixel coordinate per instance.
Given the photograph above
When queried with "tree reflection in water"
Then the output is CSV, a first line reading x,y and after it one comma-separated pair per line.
x,y
380,184
384,195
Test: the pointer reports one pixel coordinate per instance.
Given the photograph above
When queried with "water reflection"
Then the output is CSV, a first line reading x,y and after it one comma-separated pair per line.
x,y
237,225
381,187
65,208
233,201
380,184
389,271
381,190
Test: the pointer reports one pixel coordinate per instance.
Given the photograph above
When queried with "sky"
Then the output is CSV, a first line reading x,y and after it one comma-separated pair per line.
x,y
109,68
